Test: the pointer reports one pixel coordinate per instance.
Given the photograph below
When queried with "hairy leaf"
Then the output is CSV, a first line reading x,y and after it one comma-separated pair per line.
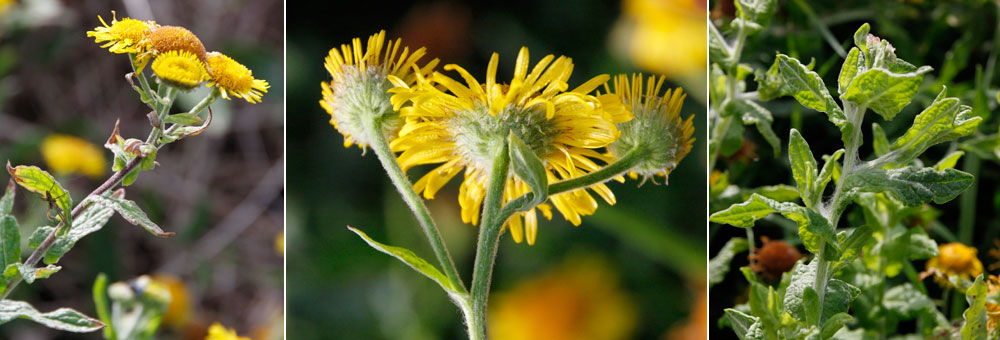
x,y
855,61
7,200
92,219
945,120
804,168
63,319
719,265
813,227
883,91
132,213
912,186
975,316
10,241
830,170
906,301
41,182
761,117
30,274
412,260
528,167
745,326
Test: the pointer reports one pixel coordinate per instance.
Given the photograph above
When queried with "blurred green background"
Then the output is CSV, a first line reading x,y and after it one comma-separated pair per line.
x,y
957,38
652,240
221,191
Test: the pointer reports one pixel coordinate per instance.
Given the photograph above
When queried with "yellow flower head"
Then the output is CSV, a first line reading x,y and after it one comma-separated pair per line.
x,y
580,300
124,36
234,79
67,155
172,38
219,332
179,68
359,89
179,311
657,125
955,259
467,126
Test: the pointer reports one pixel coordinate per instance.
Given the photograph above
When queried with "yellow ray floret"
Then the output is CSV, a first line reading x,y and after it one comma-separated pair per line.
x,y
363,73
464,126
657,127
123,36
180,68
234,79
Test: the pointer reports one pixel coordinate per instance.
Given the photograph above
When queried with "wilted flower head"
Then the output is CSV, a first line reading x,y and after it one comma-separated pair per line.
x,y
955,259
467,126
358,93
657,128
234,79
173,38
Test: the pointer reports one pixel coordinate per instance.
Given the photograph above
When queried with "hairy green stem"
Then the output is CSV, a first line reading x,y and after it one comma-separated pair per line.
x,y
490,226
967,204
732,93
600,176
405,188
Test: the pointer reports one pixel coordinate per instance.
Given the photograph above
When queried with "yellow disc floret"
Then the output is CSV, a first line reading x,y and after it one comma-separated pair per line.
x,y
179,68
358,92
123,36
466,127
234,79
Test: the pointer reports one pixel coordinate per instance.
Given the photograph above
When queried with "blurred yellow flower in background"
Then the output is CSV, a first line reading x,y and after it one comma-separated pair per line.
x,y
579,300
6,5
955,259
66,155
219,332
696,327
279,243
665,37
179,311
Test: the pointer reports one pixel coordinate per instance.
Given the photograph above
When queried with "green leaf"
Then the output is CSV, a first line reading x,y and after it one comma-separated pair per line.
x,y
412,260
883,91
101,304
757,11
719,265
732,139
804,168
975,316
745,326
148,162
808,88
761,117
810,298
906,301
10,241
63,319
529,168
852,244
855,61
813,227
130,177
770,85
39,235
861,37
834,324
30,274
949,161
837,299
912,186
91,219
717,48
132,213
879,141
921,246
41,182
184,119
830,170
945,120
7,201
